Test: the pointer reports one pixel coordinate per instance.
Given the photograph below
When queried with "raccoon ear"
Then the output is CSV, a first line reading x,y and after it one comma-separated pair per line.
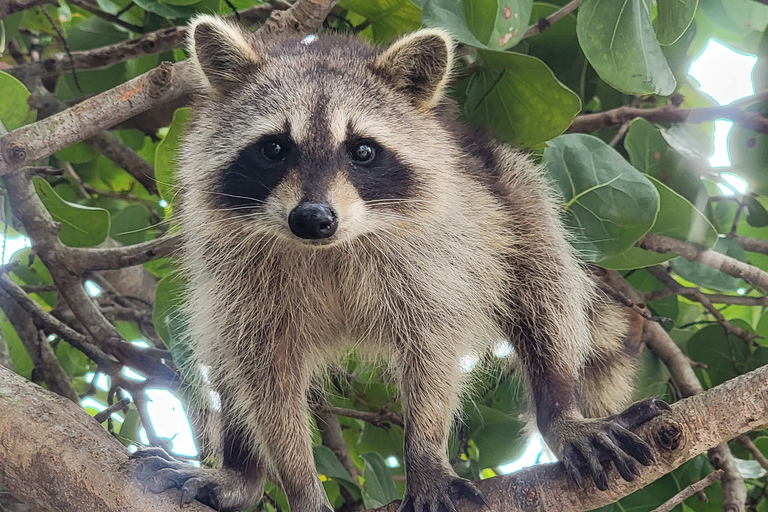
x,y
419,64
221,51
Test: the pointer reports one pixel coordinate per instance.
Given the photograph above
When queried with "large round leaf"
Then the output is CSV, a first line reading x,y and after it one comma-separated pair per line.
x,y
489,24
619,41
709,277
650,153
608,204
81,226
518,97
14,109
677,219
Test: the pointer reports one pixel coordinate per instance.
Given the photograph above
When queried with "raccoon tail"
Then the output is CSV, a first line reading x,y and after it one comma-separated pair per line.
x,y
607,379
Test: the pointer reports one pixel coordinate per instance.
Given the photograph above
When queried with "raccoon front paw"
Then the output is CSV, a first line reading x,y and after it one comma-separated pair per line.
x,y
428,493
589,443
221,489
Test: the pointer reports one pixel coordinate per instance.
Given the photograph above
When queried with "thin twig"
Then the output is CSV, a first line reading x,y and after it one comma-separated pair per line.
x,y
102,416
690,491
694,294
379,419
747,443
544,23
93,9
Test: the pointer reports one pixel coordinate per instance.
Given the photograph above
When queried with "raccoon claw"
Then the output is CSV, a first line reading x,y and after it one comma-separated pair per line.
x,y
590,444
160,472
441,498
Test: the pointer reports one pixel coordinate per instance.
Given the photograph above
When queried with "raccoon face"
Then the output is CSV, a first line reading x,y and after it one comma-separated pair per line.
x,y
318,140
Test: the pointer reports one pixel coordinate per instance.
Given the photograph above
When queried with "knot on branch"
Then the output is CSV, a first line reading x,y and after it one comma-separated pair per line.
x,y
16,152
160,78
669,435
526,495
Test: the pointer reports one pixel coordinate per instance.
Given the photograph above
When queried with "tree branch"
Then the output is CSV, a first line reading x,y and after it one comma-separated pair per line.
x,y
670,114
544,23
8,7
159,41
708,257
60,460
694,294
94,9
690,491
82,458
87,259
751,244
658,340
747,443
166,82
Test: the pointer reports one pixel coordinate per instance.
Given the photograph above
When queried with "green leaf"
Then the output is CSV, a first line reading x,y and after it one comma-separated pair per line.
x,y
678,219
81,226
673,19
165,168
378,485
618,39
328,464
387,18
757,216
650,152
725,356
749,152
709,277
179,2
79,153
130,226
14,109
739,16
513,95
489,24
22,363
31,271
609,204
499,437
129,430
169,298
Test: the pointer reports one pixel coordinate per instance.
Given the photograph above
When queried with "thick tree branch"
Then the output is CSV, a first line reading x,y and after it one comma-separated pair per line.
x,y
8,7
125,157
59,459
708,257
91,469
671,114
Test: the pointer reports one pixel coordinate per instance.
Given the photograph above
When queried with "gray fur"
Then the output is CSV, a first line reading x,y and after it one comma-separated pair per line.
x,y
476,253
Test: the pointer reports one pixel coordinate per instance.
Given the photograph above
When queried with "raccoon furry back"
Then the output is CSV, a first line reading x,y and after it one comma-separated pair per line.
x,y
331,202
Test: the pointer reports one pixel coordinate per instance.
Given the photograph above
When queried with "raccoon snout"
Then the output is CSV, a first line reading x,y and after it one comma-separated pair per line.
x,y
313,221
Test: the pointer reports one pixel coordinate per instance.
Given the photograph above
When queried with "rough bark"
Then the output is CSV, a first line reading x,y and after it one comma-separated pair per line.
x,y
55,456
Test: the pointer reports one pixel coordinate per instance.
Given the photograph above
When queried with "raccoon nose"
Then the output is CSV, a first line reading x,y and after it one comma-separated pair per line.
x,y
313,221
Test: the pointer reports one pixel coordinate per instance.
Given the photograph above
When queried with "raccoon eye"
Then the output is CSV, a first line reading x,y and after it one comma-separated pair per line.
x,y
274,150
363,153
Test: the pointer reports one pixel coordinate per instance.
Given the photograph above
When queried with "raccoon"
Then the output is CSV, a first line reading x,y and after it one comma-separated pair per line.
x,y
331,202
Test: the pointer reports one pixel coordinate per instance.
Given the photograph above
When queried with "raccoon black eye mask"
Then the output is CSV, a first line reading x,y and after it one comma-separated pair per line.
x,y
362,215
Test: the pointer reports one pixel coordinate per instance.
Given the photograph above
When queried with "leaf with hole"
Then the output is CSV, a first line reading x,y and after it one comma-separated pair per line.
x,y
488,24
